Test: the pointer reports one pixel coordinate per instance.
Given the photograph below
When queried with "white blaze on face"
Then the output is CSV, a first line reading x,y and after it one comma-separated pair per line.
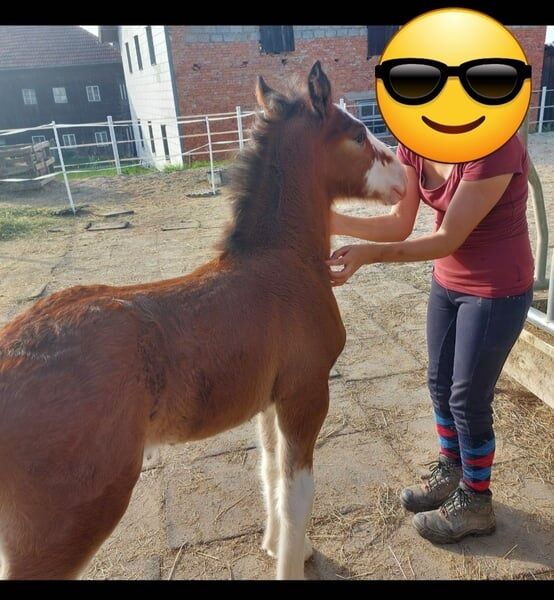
x,y
386,178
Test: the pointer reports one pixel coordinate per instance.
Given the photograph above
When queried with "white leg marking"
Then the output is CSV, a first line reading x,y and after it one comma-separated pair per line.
x,y
270,479
296,496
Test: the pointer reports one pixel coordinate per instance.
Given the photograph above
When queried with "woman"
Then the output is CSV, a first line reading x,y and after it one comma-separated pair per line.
x,y
481,290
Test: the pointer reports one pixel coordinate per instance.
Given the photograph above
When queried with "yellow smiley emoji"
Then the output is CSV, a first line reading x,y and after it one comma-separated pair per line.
x,y
453,85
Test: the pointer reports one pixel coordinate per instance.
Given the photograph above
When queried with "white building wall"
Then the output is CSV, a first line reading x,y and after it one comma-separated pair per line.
x,y
151,94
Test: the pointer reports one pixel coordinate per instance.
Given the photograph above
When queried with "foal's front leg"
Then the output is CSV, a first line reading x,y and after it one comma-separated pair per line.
x,y
267,427
299,420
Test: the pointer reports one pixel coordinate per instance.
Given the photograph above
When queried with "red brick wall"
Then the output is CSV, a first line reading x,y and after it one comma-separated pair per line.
x,y
225,81
532,41
226,72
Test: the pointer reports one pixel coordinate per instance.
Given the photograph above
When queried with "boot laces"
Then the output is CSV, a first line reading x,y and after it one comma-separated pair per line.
x,y
458,501
438,470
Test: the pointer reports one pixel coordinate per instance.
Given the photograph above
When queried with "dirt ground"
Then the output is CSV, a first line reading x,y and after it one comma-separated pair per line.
x,y
197,512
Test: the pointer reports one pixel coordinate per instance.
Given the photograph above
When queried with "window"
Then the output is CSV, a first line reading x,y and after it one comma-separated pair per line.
x,y
60,97
36,139
29,96
151,137
151,45
128,57
276,38
370,116
164,139
139,57
378,37
93,93
123,91
101,137
68,139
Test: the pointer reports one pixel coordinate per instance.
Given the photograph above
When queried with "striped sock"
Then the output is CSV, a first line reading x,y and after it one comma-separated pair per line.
x,y
477,457
448,436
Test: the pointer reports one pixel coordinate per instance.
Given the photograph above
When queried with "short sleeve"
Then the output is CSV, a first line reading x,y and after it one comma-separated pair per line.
x,y
405,156
509,158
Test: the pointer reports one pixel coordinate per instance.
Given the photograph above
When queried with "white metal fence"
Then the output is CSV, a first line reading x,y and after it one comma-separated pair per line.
x,y
159,142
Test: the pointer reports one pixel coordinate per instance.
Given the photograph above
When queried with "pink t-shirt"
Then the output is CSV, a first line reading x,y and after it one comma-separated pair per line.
x,y
496,259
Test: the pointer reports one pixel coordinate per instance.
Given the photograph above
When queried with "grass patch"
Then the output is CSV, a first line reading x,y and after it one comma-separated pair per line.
x,y
106,173
21,221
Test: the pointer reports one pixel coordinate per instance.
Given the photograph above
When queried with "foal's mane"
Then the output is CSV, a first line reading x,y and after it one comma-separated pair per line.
x,y
256,179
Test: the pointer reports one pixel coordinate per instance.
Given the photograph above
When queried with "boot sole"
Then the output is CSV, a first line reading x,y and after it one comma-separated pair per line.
x,y
437,538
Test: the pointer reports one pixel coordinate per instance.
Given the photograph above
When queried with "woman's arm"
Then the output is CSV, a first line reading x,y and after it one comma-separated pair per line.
x,y
471,203
395,226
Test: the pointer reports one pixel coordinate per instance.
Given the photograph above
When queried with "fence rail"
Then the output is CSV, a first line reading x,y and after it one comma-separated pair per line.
x,y
159,142
133,142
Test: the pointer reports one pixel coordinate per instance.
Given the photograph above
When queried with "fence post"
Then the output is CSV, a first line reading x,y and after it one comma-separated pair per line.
x,y
342,104
239,127
136,137
211,153
60,154
114,145
541,109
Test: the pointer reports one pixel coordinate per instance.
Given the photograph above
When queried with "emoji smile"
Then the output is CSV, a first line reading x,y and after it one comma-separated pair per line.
x,y
453,128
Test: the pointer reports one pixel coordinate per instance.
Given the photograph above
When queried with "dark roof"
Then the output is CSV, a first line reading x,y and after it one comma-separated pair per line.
x,y
43,46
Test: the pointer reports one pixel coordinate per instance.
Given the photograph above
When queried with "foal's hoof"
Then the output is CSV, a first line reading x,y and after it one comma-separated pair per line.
x,y
308,550
270,547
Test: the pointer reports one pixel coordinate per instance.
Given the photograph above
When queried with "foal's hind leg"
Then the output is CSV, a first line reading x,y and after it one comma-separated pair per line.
x,y
58,542
299,420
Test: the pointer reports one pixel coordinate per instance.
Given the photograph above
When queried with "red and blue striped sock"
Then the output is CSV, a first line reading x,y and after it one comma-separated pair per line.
x,y
448,436
477,458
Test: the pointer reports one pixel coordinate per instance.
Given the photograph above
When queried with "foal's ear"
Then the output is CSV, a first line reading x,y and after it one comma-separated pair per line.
x,y
319,87
274,104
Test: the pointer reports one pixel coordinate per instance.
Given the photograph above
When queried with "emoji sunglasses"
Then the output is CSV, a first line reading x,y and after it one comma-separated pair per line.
x,y
419,80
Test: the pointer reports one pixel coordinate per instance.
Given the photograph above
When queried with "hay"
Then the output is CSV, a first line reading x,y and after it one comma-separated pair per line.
x,y
525,422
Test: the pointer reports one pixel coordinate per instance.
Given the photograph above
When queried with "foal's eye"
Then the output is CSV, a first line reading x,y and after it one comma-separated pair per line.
x,y
360,138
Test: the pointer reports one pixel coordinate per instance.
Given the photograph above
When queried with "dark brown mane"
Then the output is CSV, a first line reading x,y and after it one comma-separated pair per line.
x,y
255,182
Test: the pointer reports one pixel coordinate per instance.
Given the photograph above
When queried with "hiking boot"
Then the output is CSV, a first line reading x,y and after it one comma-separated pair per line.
x,y
465,513
439,484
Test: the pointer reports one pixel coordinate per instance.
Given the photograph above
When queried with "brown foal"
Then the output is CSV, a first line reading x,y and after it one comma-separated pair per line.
x,y
92,375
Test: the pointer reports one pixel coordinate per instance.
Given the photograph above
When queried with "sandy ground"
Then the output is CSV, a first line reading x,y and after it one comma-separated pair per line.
x,y
196,511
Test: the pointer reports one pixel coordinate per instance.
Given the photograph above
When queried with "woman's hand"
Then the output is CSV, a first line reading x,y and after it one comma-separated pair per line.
x,y
351,258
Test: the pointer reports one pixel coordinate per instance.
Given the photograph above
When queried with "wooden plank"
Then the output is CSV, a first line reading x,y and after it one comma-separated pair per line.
x,y
41,145
33,184
44,164
531,363
107,226
17,170
17,152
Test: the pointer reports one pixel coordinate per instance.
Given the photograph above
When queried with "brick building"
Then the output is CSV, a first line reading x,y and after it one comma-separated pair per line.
x,y
213,68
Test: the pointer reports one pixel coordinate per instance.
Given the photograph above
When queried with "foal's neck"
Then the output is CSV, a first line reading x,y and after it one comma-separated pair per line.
x,y
283,205
304,212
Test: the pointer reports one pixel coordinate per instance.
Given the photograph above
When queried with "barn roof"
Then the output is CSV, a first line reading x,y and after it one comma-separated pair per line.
x,y
44,46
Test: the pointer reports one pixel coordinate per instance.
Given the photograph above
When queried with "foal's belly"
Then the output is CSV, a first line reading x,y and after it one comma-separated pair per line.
x,y
201,412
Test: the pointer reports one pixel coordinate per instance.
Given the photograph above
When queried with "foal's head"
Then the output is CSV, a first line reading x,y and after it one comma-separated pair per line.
x,y
345,157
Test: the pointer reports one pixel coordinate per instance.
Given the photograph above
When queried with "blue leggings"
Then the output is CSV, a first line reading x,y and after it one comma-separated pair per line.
x,y
468,340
